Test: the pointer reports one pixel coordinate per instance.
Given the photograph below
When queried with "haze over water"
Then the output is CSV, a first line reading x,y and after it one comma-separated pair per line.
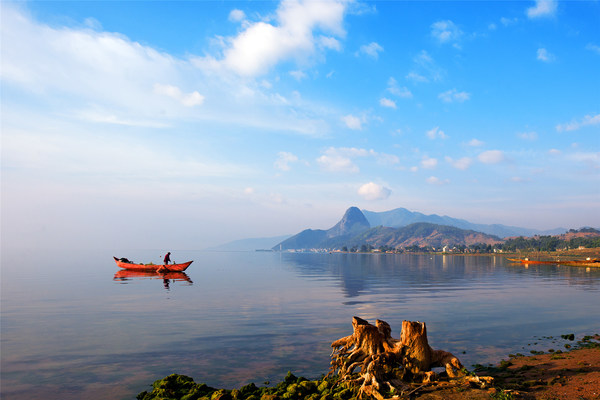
x,y
71,331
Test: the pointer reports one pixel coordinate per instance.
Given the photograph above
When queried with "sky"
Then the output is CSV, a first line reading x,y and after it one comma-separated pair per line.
x,y
184,125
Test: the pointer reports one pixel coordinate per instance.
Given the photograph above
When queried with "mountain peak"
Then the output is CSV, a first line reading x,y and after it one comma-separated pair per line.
x,y
353,221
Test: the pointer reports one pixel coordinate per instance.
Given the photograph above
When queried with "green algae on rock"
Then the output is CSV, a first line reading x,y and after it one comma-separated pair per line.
x,y
181,387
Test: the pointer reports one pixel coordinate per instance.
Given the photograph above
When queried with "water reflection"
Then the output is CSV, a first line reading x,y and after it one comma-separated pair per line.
x,y
124,276
361,274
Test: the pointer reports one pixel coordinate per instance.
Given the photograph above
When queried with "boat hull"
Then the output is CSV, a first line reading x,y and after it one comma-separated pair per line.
x,y
153,267
581,263
522,261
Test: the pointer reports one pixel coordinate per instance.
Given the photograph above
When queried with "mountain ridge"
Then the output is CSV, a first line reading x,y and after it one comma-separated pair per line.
x,y
354,229
399,217
352,223
356,221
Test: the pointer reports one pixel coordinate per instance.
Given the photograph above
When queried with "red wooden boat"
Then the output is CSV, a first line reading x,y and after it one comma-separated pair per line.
x,y
528,261
591,262
126,264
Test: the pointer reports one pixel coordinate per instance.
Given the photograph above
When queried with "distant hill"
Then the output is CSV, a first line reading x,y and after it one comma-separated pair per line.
x,y
581,233
421,234
355,222
354,230
352,223
402,217
249,244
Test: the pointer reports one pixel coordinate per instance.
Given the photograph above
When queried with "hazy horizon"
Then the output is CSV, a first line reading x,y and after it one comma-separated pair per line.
x,y
193,124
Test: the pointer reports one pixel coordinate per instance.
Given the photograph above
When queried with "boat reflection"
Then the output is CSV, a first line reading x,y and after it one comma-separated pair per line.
x,y
167,277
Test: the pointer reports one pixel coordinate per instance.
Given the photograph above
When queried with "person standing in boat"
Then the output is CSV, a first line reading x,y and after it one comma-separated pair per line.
x,y
167,259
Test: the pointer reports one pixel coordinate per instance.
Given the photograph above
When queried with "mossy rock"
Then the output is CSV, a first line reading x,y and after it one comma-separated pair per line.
x,y
176,387
248,390
308,387
290,378
221,394
292,389
268,396
323,386
344,394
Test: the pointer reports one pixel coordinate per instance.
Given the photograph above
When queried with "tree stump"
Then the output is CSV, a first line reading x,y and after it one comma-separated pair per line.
x,y
387,364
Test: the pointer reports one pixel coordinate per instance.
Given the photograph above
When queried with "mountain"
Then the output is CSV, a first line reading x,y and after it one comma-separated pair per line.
x,y
354,230
249,244
352,223
402,217
356,222
421,234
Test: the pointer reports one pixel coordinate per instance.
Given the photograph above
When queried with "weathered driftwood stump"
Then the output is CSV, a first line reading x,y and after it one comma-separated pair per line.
x,y
387,364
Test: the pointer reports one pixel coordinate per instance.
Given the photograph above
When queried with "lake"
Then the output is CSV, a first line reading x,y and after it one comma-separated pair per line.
x,y
71,329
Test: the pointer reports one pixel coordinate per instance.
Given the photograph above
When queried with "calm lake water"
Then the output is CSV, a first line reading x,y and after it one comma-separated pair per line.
x,y
72,330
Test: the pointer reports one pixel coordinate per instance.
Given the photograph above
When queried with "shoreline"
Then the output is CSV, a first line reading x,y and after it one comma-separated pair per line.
x,y
570,374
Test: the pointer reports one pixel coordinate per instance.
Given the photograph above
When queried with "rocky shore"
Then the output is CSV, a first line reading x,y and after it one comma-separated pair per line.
x,y
572,374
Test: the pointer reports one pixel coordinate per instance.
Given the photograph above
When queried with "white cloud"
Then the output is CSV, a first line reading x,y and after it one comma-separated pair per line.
x,y
298,75
544,55
187,99
398,91
508,21
386,159
542,9
445,31
387,103
518,179
373,191
284,159
425,69
593,47
491,157
336,163
262,45
454,95
475,143
462,163
436,133
249,191
87,155
237,15
339,159
92,67
588,120
528,135
372,50
433,180
590,157
415,77
352,122
429,163
329,42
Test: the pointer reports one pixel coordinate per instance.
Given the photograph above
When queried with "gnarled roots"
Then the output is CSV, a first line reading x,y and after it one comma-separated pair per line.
x,y
386,364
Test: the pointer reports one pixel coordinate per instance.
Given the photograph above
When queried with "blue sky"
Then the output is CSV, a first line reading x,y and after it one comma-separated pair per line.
x,y
188,124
